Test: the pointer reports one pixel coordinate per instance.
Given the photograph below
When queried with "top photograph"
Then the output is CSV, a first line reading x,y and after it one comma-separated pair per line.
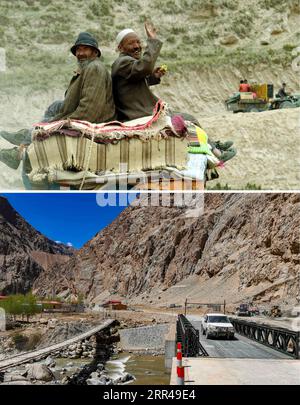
x,y
149,95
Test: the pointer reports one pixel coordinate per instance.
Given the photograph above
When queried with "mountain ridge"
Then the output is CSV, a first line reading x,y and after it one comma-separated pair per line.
x,y
24,251
249,240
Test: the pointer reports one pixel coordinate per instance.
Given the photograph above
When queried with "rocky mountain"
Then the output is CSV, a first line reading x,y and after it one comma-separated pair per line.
x,y
24,252
37,34
243,246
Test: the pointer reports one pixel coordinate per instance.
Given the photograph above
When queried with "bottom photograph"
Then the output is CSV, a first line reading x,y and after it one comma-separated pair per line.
x,y
126,289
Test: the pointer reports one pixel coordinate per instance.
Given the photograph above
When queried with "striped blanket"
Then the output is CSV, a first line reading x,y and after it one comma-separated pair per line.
x,y
148,143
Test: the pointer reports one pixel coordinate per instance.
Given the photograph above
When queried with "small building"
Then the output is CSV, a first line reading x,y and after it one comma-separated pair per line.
x,y
50,304
114,304
57,306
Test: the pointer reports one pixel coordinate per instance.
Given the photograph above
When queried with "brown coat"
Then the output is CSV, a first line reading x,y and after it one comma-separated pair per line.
x,y
89,95
131,80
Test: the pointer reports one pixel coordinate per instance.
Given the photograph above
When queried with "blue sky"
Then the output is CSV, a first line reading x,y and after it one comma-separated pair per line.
x,y
66,217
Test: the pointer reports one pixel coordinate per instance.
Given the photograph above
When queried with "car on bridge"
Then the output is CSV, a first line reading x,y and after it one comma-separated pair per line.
x,y
217,325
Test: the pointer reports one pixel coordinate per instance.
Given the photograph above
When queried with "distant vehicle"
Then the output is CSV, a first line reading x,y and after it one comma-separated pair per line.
x,y
254,310
260,98
247,309
243,310
217,325
254,101
291,101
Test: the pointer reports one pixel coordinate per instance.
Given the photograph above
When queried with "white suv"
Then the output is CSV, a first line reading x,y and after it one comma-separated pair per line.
x,y
217,325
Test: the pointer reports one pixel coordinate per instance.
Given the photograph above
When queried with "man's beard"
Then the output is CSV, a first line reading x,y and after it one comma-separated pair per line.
x,y
84,62
137,53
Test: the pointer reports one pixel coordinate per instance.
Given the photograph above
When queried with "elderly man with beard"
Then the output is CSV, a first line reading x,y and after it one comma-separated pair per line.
x,y
133,72
88,97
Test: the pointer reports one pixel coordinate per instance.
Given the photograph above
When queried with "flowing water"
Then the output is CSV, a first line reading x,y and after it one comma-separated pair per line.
x,y
71,365
147,369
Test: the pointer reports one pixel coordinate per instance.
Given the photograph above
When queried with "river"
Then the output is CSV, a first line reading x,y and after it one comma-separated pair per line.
x,y
147,369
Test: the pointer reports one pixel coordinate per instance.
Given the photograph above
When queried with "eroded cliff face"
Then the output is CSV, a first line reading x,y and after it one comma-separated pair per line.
x,y
24,252
242,246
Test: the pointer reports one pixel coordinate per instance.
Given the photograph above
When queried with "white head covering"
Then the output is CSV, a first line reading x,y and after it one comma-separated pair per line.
x,y
123,34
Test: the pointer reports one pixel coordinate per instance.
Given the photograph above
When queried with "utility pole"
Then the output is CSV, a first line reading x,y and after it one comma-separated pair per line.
x,y
185,307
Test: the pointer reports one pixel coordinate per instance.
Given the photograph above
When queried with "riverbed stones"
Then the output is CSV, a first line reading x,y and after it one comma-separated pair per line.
x,y
65,380
50,362
52,323
94,381
124,379
100,367
16,383
14,377
84,349
40,372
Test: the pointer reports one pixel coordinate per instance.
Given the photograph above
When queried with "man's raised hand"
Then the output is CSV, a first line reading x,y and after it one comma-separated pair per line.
x,y
150,30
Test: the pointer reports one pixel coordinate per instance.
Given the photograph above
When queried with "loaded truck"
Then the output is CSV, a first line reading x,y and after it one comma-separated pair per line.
x,y
258,99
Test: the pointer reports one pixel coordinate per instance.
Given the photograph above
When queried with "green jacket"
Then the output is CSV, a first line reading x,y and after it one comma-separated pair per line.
x,y
131,80
89,95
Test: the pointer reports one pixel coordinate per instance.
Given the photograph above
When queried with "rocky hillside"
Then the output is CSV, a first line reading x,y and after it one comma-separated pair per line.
x,y
244,246
24,252
209,45
37,34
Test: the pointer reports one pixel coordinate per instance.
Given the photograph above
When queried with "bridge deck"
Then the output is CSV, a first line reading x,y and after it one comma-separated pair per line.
x,y
239,347
217,371
36,354
238,362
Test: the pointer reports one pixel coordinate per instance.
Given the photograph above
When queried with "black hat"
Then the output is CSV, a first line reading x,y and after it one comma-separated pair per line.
x,y
85,38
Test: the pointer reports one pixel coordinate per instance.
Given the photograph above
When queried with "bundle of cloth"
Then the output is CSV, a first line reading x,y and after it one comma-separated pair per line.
x,y
85,149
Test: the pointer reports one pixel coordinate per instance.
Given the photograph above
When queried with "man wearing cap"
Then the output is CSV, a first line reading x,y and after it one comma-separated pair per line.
x,y
88,97
133,73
